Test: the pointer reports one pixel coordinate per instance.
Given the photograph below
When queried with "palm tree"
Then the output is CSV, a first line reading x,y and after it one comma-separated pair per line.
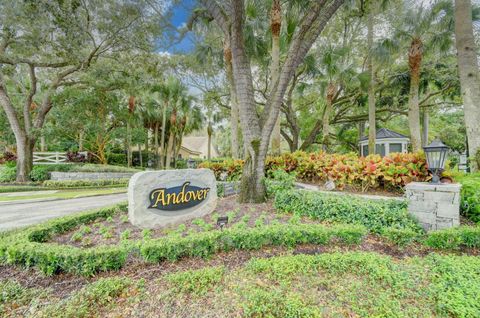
x,y
469,74
425,32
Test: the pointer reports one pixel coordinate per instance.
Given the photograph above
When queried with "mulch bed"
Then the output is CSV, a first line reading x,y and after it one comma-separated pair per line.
x,y
118,224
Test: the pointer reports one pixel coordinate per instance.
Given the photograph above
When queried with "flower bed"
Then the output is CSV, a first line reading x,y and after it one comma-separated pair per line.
x,y
363,173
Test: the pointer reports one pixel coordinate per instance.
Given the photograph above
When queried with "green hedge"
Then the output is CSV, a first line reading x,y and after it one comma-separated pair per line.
x,y
454,238
27,247
470,195
60,184
373,214
207,243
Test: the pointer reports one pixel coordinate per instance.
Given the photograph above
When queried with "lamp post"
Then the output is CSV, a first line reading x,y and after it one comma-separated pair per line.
x,y
436,154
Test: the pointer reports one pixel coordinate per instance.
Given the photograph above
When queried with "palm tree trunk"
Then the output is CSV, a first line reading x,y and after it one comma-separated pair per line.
x,y
209,133
169,150
426,122
469,75
140,157
235,129
372,129
128,142
162,141
331,90
155,138
275,25
414,62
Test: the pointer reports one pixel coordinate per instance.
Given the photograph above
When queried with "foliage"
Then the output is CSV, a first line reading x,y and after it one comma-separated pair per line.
x,y
231,168
196,282
119,159
454,238
391,172
470,195
279,181
374,214
401,237
63,184
90,298
7,157
8,173
75,156
205,244
28,247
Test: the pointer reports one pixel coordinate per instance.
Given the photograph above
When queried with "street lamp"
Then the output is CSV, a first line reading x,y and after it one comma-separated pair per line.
x,y
436,154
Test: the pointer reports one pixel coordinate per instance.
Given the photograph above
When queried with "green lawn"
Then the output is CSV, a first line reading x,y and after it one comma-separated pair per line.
x,y
57,194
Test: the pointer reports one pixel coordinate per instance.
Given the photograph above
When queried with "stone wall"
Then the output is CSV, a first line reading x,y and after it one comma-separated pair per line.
x,y
434,206
61,176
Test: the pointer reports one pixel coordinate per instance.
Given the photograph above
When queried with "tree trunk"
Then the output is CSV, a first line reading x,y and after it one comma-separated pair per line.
x,y
162,141
414,62
80,140
469,74
158,161
235,129
252,187
147,148
426,120
128,142
24,158
140,157
209,132
331,90
169,150
361,131
372,129
43,146
275,25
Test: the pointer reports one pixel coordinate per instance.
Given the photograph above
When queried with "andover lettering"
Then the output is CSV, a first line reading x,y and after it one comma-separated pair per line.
x,y
177,198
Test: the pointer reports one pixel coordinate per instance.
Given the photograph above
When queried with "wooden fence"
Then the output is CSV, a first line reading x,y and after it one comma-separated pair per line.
x,y
46,158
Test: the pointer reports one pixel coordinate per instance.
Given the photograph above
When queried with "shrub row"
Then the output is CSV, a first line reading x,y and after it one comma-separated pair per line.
x,y
207,243
26,247
373,171
60,184
42,172
373,214
454,238
470,195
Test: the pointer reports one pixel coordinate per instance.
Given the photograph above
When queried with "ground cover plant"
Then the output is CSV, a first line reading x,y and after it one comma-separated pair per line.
x,y
333,284
59,194
41,173
391,172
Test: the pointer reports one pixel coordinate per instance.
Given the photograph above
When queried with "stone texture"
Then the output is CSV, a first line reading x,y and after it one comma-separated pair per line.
x,y
434,206
61,176
142,183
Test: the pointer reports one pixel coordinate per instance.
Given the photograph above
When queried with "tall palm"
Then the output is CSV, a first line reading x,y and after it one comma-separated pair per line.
x,y
424,31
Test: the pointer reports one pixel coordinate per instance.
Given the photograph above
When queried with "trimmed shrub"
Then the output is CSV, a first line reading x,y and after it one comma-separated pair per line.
x,y
207,243
454,238
401,237
373,214
470,195
60,184
8,173
27,247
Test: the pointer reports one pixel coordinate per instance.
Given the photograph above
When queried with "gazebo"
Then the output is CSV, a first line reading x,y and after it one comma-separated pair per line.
x,y
387,141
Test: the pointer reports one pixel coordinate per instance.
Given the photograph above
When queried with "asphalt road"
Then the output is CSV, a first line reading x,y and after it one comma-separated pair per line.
x,y
15,215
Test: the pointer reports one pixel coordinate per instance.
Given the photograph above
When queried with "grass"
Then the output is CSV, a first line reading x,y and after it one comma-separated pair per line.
x,y
351,284
59,194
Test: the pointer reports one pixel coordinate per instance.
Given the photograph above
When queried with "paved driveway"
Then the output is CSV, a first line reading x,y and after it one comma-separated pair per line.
x,y
15,215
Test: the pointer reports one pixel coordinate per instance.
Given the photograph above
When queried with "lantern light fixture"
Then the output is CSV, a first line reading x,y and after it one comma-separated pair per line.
x,y
436,154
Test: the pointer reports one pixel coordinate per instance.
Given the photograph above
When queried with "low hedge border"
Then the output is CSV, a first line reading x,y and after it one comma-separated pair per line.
x,y
27,247
207,243
376,215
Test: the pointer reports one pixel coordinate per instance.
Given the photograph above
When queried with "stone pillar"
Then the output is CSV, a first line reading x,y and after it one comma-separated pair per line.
x,y
434,206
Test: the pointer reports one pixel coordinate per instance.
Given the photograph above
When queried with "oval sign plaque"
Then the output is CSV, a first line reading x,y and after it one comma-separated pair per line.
x,y
170,197
177,198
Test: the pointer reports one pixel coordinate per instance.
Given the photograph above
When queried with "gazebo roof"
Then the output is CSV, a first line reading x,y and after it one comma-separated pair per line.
x,y
384,133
